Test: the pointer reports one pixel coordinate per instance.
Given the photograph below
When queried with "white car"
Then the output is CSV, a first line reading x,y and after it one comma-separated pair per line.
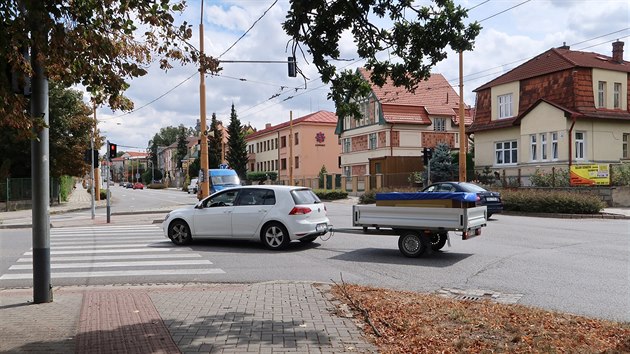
x,y
275,215
192,187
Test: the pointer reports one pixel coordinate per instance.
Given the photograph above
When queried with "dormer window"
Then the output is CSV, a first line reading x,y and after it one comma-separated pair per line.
x,y
601,94
439,124
505,106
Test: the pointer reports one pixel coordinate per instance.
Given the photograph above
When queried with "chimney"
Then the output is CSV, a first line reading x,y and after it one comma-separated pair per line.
x,y
564,46
617,52
267,125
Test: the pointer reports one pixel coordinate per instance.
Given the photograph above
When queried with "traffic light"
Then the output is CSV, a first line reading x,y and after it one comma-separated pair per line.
x,y
427,154
112,151
292,69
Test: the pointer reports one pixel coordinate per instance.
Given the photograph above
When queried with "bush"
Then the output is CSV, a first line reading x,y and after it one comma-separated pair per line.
x,y
620,174
261,177
545,201
66,183
557,178
330,194
156,186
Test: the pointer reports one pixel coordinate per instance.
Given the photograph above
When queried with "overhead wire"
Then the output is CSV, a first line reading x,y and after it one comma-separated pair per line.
x,y
249,29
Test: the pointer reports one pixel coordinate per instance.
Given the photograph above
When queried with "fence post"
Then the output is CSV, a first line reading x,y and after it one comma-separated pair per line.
x,y
343,183
8,189
553,176
355,183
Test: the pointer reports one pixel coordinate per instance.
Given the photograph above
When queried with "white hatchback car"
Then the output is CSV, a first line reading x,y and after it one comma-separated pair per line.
x,y
275,215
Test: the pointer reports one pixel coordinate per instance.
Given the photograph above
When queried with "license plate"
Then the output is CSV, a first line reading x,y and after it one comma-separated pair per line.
x,y
321,227
492,199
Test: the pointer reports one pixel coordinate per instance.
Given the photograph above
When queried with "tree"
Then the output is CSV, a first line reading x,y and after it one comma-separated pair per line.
x,y
194,167
97,44
214,143
415,44
182,146
71,123
237,147
154,144
442,167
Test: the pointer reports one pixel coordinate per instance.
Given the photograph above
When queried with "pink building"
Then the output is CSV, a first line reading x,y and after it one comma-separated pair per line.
x,y
313,145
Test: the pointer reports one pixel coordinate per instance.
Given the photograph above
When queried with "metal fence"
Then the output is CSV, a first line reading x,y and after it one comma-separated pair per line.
x,y
16,193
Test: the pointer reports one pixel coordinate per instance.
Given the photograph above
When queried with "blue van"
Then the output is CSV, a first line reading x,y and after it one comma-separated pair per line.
x,y
223,178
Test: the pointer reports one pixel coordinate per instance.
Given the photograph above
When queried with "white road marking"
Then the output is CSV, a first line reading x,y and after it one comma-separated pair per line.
x,y
131,250
119,273
119,257
115,264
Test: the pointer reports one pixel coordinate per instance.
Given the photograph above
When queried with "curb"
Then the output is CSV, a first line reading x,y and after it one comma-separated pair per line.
x,y
566,216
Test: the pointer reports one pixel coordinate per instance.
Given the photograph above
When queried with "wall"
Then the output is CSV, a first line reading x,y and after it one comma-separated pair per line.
x,y
611,77
484,145
545,118
513,88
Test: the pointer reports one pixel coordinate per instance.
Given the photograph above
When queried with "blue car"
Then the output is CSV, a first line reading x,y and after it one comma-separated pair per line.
x,y
492,200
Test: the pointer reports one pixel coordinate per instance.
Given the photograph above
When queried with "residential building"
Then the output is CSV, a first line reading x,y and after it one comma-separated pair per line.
x,y
396,125
560,108
304,145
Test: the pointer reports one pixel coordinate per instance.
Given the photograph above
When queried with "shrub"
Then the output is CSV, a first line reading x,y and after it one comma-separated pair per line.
x,y
156,186
330,194
261,177
545,201
65,186
557,178
620,174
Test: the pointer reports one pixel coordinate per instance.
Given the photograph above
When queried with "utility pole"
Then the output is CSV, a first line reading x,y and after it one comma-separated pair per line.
x,y
40,166
203,156
290,148
462,123
109,161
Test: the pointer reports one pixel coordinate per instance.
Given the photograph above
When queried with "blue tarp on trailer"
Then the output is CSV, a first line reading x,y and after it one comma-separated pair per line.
x,y
458,196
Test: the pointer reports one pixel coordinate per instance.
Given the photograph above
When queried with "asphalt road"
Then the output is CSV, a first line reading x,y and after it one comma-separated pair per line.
x,y
571,265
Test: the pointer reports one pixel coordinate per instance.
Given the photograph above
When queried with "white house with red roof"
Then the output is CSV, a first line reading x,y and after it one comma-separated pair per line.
x,y
395,127
312,145
561,108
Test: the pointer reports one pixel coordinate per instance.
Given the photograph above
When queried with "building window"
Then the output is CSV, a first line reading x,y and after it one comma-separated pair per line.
x,y
372,141
276,142
617,95
505,106
532,147
251,167
346,171
283,141
297,139
364,108
543,146
601,94
506,153
439,124
297,162
554,146
283,164
580,138
346,145
624,146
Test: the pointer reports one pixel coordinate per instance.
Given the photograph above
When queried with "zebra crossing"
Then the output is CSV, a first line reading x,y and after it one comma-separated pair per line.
x,y
113,251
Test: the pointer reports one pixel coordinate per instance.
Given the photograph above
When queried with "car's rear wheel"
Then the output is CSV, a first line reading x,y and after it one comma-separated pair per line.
x,y
179,232
275,236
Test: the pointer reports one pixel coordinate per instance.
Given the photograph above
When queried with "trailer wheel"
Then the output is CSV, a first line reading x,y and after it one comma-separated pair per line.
x,y
438,240
412,244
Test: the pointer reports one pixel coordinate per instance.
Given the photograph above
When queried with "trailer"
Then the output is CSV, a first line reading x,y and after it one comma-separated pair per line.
x,y
421,229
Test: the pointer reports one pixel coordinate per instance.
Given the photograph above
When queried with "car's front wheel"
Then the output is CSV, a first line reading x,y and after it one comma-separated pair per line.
x,y
275,236
179,232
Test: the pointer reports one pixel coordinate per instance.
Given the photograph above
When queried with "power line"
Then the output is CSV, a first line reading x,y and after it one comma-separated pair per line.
x,y
506,10
249,29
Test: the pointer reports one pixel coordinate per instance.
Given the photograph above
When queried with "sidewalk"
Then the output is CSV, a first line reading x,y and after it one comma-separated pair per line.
x,y
274,317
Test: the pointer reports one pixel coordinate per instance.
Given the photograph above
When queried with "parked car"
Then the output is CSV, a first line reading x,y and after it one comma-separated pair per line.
x,y
138,185
274,215
492,200
128,185
192,187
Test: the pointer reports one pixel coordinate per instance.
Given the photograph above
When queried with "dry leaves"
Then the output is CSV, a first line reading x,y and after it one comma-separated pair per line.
x,y
411,322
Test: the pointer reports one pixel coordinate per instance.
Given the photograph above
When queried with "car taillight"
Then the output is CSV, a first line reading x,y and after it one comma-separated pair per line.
x,y
299,210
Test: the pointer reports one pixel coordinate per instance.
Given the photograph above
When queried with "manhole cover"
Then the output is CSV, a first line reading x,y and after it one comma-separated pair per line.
x,y
479,294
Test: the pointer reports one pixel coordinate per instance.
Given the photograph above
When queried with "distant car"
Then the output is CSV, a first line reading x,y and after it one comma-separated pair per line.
x,y
192,187
122,184
492,200
274,215
138,185
128,185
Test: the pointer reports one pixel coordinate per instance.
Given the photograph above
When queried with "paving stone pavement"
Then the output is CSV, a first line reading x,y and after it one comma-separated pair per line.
x,y
271,317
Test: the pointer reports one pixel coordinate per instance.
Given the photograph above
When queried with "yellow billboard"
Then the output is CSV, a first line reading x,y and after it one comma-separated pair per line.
x,y
590,175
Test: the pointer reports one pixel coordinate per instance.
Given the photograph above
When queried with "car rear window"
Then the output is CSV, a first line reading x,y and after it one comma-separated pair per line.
x,y
304,196
471,188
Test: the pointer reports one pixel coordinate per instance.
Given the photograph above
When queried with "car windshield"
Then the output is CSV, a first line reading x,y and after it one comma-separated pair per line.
x,y
472,188
304,196
221,180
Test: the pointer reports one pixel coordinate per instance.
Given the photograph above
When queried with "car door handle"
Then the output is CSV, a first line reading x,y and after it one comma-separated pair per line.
x,y
262,210
227,212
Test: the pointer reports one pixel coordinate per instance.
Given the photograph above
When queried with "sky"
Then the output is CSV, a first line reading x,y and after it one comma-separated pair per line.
x,y
513,32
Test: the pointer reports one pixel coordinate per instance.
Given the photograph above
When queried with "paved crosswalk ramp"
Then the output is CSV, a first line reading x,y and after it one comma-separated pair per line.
x,y
113,251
